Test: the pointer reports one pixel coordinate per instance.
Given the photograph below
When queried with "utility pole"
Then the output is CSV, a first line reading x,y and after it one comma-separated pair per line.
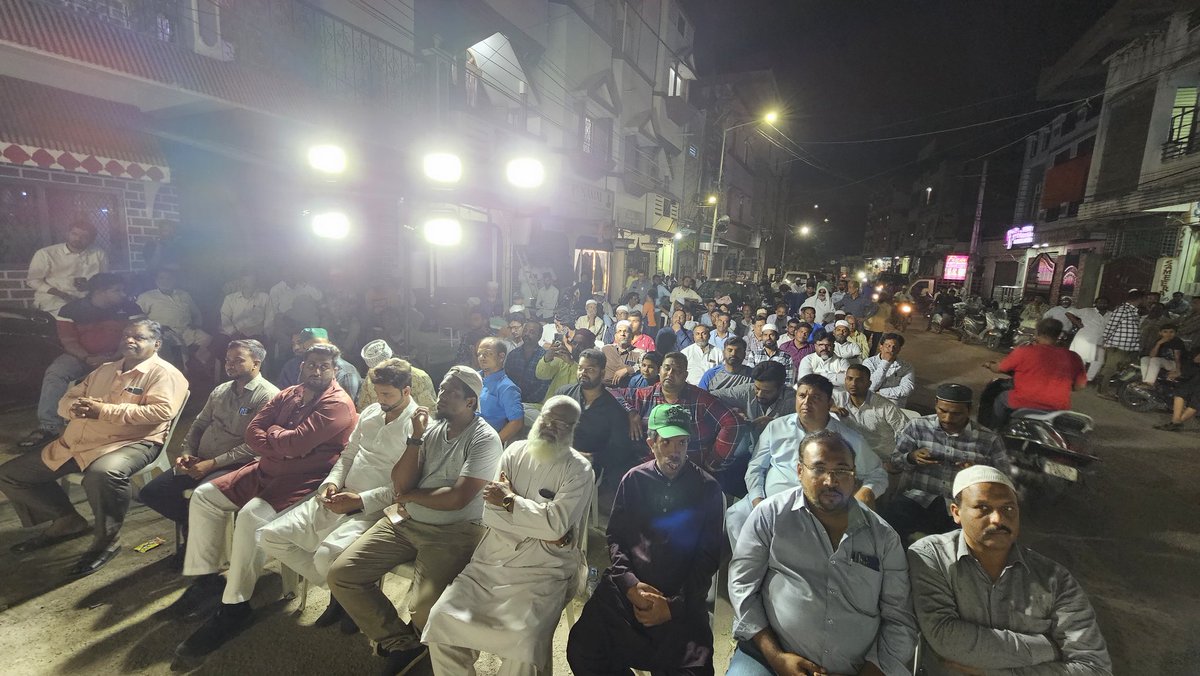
x,y
973,252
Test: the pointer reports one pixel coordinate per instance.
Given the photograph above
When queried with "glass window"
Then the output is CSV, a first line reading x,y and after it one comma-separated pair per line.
x,y
33,215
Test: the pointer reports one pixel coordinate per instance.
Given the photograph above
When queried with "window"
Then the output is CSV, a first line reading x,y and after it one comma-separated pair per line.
x,y
681,25
1183,124
1069,122
1064,156
33,215
1085,147
674,82
588,125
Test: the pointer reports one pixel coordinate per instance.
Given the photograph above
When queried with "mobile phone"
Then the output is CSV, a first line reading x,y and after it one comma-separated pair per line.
x,y
558,338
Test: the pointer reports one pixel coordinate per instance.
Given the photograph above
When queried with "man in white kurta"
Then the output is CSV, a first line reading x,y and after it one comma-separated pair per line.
x,y
1089,330
310,536
508,599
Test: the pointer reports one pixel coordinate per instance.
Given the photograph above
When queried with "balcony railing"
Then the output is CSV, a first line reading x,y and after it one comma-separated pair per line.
x,y
1185,137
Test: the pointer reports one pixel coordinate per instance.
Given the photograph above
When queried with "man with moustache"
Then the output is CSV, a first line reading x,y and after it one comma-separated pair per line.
x,y
439,484
818,582
891,377
118,417
769,351
650,609
622,357
500,403
215,444
732,372
701,355
1043,623
721,331
761,400
931,450
521,363
600,432
310,537
772,468
298,436
557,365
508,599
823,362
796,344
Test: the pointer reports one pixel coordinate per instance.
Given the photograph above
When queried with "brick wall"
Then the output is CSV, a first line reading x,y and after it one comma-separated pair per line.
x,y
143,204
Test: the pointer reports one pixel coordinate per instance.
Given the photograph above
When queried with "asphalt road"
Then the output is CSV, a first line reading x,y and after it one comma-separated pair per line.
x,y
1132,537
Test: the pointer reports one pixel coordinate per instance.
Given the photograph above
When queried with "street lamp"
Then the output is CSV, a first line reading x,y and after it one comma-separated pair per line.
x,y
327,158
443,167
803,231
525,172
770,118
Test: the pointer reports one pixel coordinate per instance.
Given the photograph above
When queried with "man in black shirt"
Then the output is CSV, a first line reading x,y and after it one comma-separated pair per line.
x,y
602,432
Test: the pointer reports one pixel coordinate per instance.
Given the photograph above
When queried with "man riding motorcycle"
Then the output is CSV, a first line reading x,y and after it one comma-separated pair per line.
x,y
1044,374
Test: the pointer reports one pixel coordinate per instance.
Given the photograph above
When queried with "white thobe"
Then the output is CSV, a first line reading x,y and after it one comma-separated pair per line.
x,y
1088,338
1060,313
57,267
546,301
508,599
309,537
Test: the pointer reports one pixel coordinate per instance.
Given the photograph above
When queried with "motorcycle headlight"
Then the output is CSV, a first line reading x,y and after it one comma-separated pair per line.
x,y
905,309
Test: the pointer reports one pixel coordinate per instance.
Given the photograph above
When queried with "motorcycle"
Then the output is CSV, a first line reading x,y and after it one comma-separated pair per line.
x,y
974,326
1136,396
998,329
28,343
902,315
1049,450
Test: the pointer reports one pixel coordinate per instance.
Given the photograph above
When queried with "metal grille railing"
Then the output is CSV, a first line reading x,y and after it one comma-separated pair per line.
x,y
1183,138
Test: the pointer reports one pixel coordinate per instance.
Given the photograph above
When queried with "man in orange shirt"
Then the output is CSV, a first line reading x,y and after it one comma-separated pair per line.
x,y
118,417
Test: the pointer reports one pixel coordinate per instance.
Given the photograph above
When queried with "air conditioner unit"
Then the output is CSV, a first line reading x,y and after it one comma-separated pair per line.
x,y
201,29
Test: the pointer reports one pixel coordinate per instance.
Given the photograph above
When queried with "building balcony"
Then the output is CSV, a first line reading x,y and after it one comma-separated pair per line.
x,y
638,182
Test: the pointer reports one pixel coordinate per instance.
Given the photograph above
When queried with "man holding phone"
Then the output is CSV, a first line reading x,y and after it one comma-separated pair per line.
x,y
931,450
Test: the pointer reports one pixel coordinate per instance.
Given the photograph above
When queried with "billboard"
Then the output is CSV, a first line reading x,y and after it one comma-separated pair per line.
x,y
956,268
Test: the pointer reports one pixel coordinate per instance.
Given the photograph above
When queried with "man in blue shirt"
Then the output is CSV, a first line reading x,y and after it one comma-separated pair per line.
x,y
647,375
500,402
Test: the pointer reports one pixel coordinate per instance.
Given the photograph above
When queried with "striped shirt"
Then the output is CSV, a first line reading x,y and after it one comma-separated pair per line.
x,y
759,356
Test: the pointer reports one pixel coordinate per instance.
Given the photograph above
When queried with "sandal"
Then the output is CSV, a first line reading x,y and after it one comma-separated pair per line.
x,y
37,439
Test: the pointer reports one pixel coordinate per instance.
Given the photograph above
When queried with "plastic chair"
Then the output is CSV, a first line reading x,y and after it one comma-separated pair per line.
x,y
161,462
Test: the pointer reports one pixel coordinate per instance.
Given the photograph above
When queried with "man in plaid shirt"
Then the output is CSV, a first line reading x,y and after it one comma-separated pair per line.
x,y
930,451
1122,340
716,428
769,351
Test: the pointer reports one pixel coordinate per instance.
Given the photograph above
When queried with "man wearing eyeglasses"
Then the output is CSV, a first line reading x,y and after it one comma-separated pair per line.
x,y
830,594
298,436
1043,622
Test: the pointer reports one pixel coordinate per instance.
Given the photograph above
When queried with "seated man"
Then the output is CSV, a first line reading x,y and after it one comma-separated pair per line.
x,y
118,416
931,450
58,273
878,420
701,354
1044,374
347,374
1045,623
500,403
439,482
508,599
796,344
641,341
312,535
650,609
772,468
215,444
1186,398
1166,354
647,375
375,353
622,357
761,400
298,436
174,309
244,312
732,372
521,364
89,330
558,365
768,350
822,361
717,429
601,431
818,582
843,347
891,377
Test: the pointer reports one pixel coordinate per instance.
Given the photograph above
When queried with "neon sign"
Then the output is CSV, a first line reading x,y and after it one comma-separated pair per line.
x,y
956,267
1019,236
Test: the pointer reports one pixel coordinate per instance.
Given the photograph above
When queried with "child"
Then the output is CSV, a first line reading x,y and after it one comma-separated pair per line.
x,y
648,373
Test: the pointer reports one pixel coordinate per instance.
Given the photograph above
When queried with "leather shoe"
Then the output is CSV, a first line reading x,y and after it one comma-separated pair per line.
x,y
201,596
92,561
333,613
43,541
229,621
399,662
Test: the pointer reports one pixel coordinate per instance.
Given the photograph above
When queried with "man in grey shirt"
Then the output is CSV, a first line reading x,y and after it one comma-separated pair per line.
x,y
986,604
830,594
215,443
436,523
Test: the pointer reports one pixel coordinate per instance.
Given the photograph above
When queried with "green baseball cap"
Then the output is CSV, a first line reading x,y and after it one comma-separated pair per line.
x,y
670,420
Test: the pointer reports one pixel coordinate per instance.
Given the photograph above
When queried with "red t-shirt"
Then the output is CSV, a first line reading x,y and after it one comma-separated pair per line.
x,y
1043,376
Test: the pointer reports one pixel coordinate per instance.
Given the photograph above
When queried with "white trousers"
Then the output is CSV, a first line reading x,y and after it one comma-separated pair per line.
x,y
309,538
1094,369
208,515
1152,365
452,660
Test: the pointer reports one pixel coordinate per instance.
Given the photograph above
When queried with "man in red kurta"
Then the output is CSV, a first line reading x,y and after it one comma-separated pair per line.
x,y
298,437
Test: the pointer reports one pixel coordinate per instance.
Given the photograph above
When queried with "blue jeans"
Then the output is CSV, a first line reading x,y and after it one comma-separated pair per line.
x,y
746,662
59,375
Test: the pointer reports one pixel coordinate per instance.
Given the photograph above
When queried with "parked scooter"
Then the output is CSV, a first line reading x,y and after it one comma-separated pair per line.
x,y
974,326
28,343
1049,450
1135,395
998,331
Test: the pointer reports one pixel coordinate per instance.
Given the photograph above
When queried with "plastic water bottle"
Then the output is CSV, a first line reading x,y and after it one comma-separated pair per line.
x,y
593,580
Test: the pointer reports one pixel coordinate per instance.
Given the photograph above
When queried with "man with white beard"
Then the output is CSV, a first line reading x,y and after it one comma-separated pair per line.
x,y
508,599
351,499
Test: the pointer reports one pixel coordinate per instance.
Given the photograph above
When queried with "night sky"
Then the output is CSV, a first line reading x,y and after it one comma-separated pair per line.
x,y
856,69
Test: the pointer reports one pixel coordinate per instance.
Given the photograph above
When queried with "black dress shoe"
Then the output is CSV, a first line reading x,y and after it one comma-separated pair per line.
x,y
333,613
399,662
204,593
42,541
229,621
93,561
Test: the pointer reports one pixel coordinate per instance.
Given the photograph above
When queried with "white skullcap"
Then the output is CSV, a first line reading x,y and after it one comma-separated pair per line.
x,y
621,308
591,301
516,308
624,323
841,322
980,474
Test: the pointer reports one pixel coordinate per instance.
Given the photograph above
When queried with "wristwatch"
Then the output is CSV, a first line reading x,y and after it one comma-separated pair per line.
x,y
415,441
507,503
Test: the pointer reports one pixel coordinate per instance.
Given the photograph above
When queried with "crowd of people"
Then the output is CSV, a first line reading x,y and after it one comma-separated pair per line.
x,y
857,529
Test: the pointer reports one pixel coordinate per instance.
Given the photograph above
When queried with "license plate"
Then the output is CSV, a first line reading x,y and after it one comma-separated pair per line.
x,y
1061,471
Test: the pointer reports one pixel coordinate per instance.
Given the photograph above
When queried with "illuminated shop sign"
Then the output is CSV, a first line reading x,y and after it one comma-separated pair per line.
x,y
956,267
1020,236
